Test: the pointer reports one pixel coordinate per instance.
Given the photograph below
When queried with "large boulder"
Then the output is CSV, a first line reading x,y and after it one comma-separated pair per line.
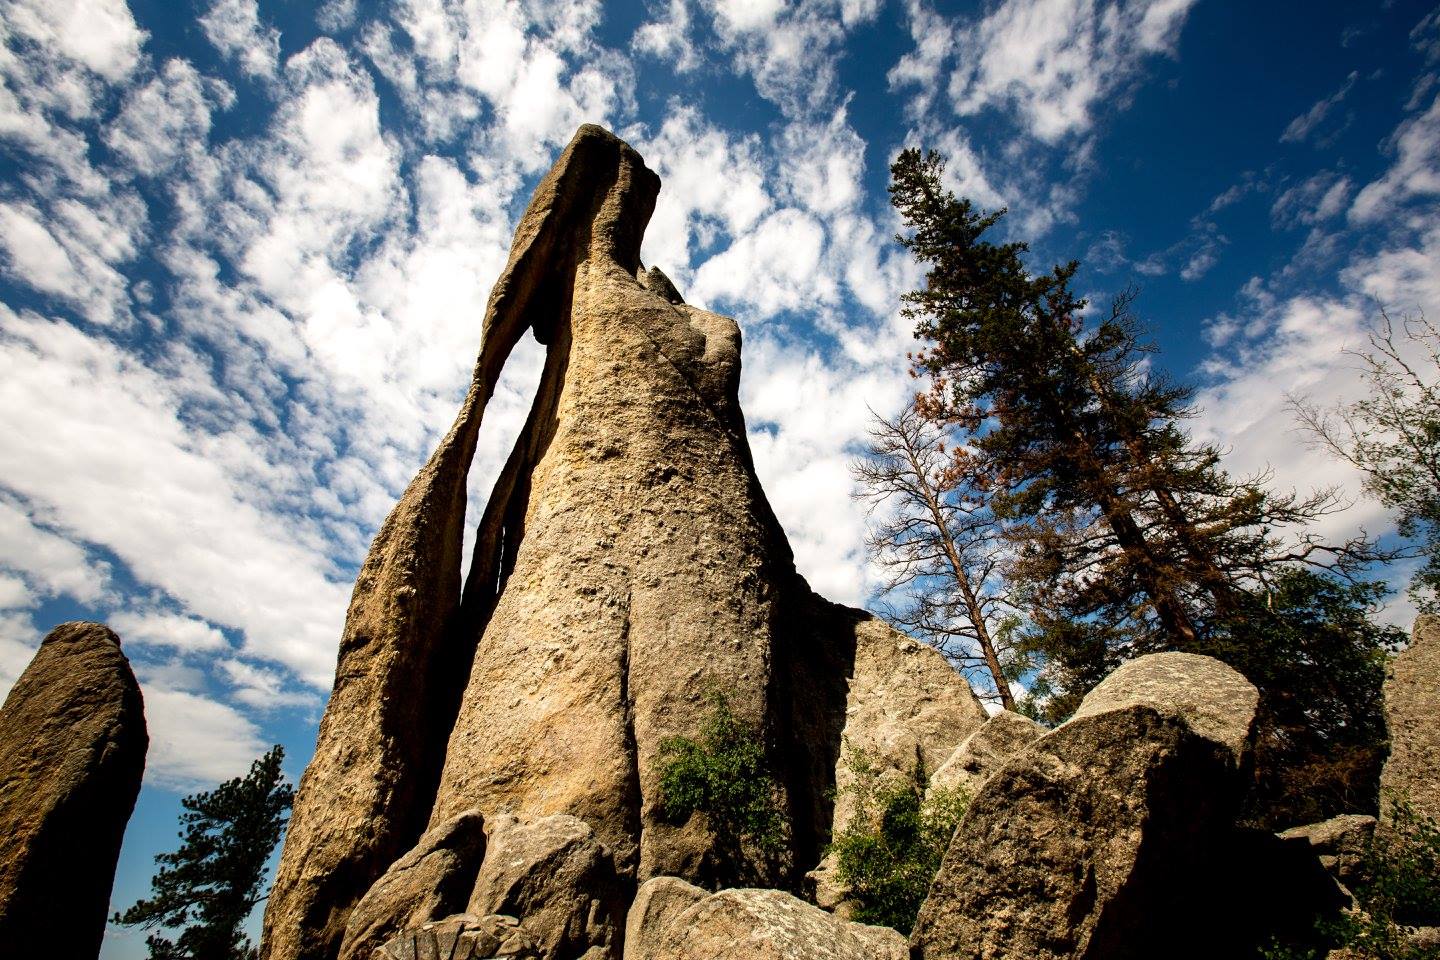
x,y
771,925
658,901
1101,839
72,755
1212,698
432,881
1412,704
556,876
985,751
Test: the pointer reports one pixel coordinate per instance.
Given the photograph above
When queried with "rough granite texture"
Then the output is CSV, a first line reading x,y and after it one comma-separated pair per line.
x,y
463,937
430,882
627,564
1412,712
771,925
72,754
1073,849
985,751
1339,842
1213,698
658,901
557,878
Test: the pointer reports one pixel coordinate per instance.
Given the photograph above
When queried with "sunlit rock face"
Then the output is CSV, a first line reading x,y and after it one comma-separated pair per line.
x,y
627,567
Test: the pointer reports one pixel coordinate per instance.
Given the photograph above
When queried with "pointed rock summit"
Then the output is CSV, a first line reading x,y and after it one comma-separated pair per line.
x,y
72,753
627,566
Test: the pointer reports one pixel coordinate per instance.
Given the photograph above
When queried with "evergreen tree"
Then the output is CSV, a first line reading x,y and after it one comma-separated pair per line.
x,y
209,886
1129,536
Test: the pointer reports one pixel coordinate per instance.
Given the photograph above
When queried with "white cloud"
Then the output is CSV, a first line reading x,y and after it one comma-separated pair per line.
x,y
262,689
195,742
1302,126
234,27
165,119
101,34
1054,61
156,629
53,565
668,37
1312,201
147,493
771,268
1414,173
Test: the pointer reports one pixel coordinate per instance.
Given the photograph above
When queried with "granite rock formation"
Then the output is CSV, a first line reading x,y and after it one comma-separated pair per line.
x,y
658,901
72,754
1339,842
463,936
1095,841
1412,706
558,879
985,751
431,882
627,564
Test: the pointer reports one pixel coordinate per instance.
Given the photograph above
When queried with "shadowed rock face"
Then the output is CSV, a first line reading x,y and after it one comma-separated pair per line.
x,y
1105,838
626,565
1412,706
72,754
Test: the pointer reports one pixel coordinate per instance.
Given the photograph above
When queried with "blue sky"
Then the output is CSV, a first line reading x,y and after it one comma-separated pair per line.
x,y
245,247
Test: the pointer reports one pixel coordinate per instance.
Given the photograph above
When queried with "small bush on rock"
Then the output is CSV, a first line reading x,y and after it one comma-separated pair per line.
x,y
892,849
724,774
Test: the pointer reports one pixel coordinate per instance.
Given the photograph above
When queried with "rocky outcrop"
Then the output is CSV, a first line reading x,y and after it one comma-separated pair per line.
x,y
771,925
627,564
1339,842
463,937
658,901
1099,839
431,882
985,751
1412,704
558,879
72,754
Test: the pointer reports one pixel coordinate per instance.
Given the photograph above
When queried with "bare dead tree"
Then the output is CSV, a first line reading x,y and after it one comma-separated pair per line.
x,y
933,532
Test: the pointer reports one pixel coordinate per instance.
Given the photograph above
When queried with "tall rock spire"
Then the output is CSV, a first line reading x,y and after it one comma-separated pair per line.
x,y
72,754
626,567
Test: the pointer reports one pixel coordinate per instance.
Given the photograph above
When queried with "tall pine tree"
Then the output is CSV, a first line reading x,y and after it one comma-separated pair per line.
x,y
1130,536
208,887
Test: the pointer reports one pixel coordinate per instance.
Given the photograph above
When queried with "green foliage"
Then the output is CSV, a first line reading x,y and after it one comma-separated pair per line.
x,y
725,775
1127,536
889,854
1400,891
209,886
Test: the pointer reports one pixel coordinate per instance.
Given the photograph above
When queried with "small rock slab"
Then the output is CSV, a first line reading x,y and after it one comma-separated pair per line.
x,y
463,937
658,901
432,881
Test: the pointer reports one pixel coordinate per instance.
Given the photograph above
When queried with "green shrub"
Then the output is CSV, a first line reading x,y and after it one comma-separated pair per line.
x,y
1400,890
725,775
889,854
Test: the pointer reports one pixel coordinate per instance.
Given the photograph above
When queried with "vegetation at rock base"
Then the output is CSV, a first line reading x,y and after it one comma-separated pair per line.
x,y
724,775
888,855
1392,436
207,888
1400,891
1114,532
